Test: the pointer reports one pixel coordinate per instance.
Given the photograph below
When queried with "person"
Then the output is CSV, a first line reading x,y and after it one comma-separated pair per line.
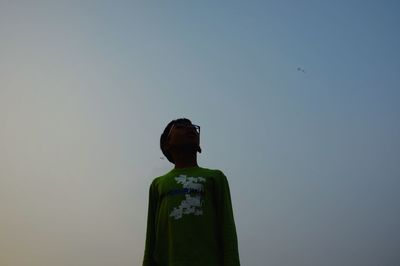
x,y
190,219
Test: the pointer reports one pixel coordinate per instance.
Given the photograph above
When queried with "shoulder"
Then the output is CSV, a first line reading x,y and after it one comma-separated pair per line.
x,y
158,179
215,173
211,171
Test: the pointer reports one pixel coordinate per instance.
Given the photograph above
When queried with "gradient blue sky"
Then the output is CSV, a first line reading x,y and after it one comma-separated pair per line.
x,y
86,88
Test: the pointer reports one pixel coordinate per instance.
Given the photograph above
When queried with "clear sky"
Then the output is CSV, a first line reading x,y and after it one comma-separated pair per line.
x,y
298,103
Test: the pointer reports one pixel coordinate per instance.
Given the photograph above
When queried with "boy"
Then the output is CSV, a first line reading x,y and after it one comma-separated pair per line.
x,y
190,219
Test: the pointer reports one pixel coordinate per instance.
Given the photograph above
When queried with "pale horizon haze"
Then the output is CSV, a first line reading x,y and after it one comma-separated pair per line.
x,y
298,103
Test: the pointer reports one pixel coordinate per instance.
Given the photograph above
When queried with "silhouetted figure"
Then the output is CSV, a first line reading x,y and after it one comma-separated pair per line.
x,y
190,219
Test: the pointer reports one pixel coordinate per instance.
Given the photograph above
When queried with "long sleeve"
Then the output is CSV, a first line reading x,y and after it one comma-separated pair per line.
x,y
226,223
148,259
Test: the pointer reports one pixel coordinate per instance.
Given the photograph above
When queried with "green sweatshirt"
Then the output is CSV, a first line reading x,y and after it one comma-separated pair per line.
x,y
190,220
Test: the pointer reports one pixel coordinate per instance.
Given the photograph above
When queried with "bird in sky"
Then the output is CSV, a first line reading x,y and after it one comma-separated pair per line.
x,y
301,70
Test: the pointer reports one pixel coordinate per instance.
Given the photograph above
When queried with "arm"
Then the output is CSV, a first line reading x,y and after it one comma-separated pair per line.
x,y
226,223
148,259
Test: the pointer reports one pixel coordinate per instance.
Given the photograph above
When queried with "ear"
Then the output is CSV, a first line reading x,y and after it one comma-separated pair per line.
x,y
166,146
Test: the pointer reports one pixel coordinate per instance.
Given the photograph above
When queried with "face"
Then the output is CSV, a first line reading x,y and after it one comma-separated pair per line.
x,y
183,135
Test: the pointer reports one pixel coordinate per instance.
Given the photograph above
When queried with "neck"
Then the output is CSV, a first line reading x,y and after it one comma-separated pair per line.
x,y
185,159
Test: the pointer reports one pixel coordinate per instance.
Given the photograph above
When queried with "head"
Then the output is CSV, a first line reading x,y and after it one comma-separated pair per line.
x,y
180,134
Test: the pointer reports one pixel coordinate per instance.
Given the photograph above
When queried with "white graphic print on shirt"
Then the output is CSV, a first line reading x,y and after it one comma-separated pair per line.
x,y
192,204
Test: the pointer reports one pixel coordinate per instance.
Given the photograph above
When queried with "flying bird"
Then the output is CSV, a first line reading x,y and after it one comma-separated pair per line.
x,y
301,70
